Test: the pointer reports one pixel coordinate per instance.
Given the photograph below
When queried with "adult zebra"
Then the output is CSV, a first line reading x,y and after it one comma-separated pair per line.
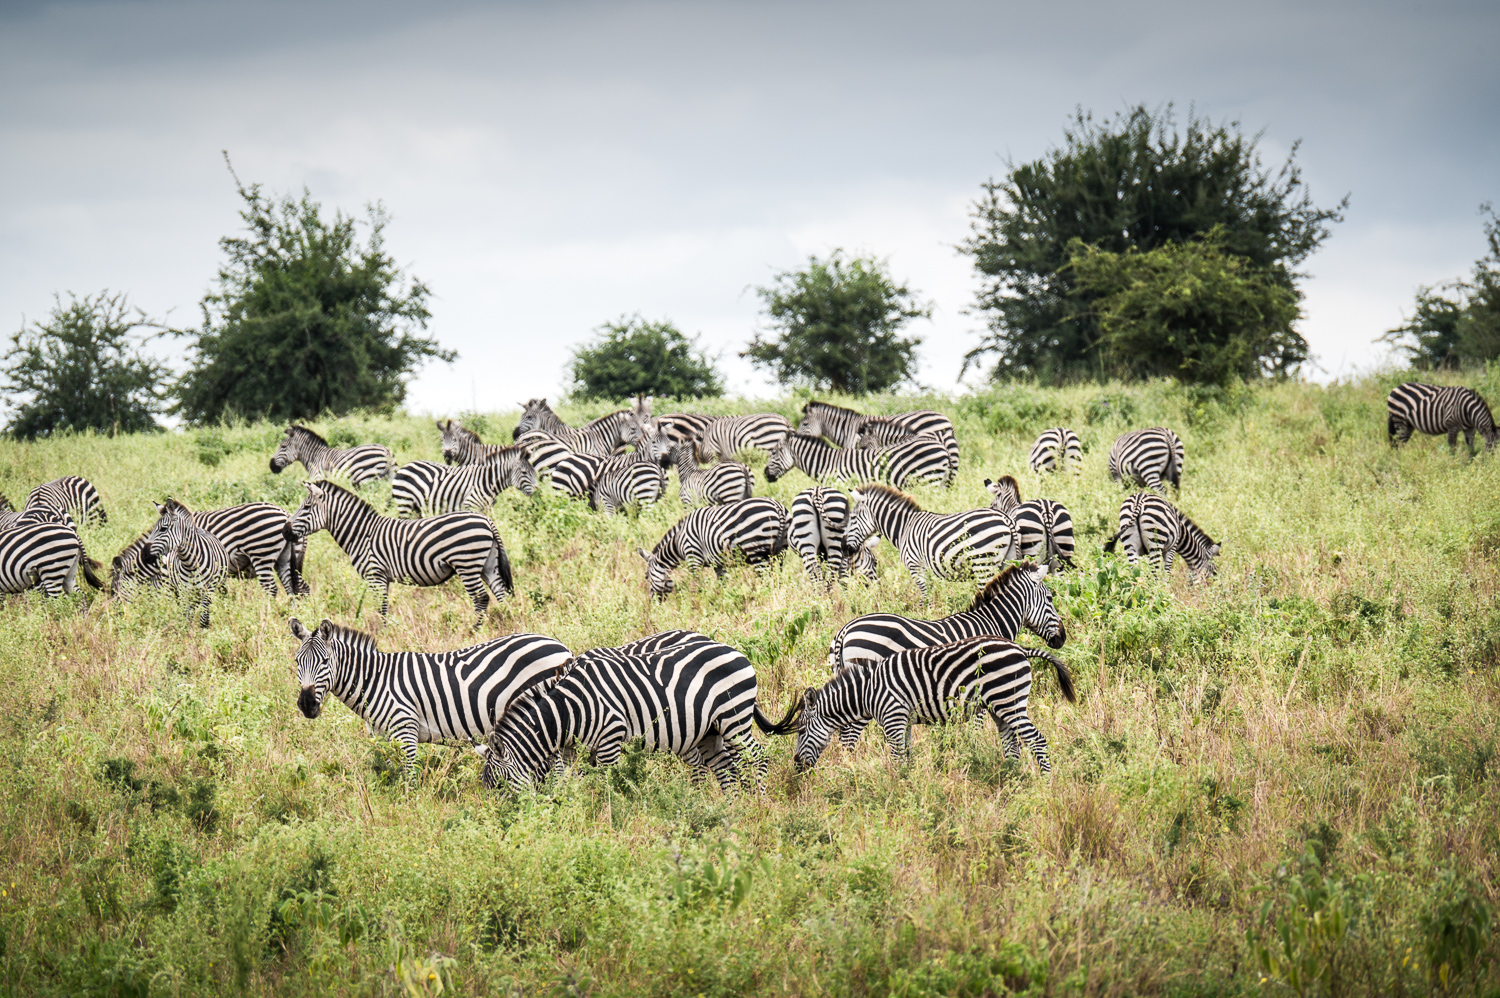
x,y
71,496
631,486
877,434
683,427
925,686
726,436
545,451
426,552
1147,457
974,542
599,438
755,528
253,536
1152,528
38,551
361,464
820,516
462,445
1438,409
1044,528
843,426
414,697
921,458
425,487
193,561
724,482
1056,450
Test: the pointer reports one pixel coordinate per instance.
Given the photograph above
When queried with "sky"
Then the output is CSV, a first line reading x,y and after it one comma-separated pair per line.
x,y
552,166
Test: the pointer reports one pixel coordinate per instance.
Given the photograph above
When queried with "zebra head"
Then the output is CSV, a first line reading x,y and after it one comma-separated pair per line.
x,y
812,420
132,568
290,449
781,461
312,515
658,574
455,440
1038,612
314,666
861,527
523,475
824,712
1007,493
864,561
168,534
531,417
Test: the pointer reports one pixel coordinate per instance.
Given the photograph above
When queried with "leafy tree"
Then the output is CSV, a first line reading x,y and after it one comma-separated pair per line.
x,y
838,323
1192,311
1130,182
305,319
631,356
83,370
1459,321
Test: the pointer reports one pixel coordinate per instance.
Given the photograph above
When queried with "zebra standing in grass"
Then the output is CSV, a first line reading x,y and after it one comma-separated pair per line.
x,y
755,528
1147,457
414,697
597,439
843,426
1044,528
726,436
725,482
253,536
1154,529
923,686
194,561
877,434
361,464
462,445
39,551
426,552
820,516
920,457
631,486
974,542
1438,409
71,496
425,487
1056,450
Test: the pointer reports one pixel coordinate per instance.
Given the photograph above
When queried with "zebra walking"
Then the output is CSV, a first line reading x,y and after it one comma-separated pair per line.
x,y
843,426
1056,449
426,552
415,697
973,542
724,482
1044,528
755,528
1439,409
921,458
1154,529
72,497
40,551
425,487
726,436
820,516
361,464
923,686
195,562
1147,457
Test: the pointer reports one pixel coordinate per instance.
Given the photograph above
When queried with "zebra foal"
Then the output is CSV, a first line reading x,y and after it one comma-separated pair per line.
x,y
974,542
1147,457
1056,449
843,426
361,464
755,528
1438,409
1154,529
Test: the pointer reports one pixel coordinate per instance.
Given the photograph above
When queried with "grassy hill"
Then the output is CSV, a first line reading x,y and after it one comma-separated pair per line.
x,y
1308,741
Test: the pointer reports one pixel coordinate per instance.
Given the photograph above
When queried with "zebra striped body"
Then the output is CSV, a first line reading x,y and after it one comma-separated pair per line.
x,y
415,697
71,496
726,436
921,686
462,445
974,542
1056,449
597,439
194,561
1044,532
1154,529
38,551
756,529
543,450
1439,409
725,482
843,426
426,552
682,427
37,514
631,486
820,516
361,464
426,487
254,535
921,457
1147,457
876,434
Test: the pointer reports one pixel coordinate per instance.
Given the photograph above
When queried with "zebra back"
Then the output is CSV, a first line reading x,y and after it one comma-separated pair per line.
x,y
819,517
755,528
1148,457
976,541
1154,529
39,551
632,486
1056,449
70,495
1439,409
726,436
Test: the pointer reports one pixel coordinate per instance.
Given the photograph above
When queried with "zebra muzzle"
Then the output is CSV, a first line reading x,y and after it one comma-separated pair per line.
x,y
309,702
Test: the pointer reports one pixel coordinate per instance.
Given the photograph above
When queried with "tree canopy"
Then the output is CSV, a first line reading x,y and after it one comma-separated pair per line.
x,y
305,319
838,323
1133,181
83,369
631,356
1457,322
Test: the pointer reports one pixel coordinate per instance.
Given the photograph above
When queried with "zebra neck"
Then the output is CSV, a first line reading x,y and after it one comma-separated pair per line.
x,y
999,617
315,457
350,519
891,520
686,466
354,678
839,424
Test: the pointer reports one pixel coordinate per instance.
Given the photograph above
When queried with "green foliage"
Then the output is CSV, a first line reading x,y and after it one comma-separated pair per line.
x,y
82,370
1457,322
1456,931
1304,948
631,357
838,322
1129,182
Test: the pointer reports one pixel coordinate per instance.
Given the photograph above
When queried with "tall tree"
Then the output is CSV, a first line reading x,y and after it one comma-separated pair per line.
x,y
83,369
631,356
838,323
305,318
1133,181
1457,322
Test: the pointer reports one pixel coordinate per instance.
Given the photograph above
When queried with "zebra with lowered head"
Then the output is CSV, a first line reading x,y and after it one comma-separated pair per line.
x,y
1044,528
361,464
195,562
42,551
756,529
920,457
1147,457
724,482
1056,449
820,516
726,436
877,434
1439,409
71,496
974,542
1154,529
426,487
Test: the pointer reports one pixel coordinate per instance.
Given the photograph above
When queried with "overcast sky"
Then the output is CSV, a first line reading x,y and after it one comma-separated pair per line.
x,y
552,166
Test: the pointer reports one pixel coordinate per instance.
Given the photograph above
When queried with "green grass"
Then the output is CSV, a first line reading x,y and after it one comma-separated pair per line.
x,y
1288,774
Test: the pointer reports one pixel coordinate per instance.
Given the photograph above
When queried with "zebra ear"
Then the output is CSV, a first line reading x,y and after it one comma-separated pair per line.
x,y
987,483
325,628
483,751
160,507
1040,572
299,632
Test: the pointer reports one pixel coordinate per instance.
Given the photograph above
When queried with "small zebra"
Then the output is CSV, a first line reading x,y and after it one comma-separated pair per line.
x,y
820,516
1154,529
194,561
924,686
921,457
755,528
462,445
597,439
426,487
1439,409
414,697
361,464
71,496
1147,457
843,426
724,482
974,542
38,551
725,436
632,486
1044,528
1056,449
426,552
1005,492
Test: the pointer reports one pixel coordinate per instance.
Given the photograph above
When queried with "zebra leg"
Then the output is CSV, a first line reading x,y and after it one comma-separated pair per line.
x,y
474,586
1021,725
1453,440
265,574
896,722
382,586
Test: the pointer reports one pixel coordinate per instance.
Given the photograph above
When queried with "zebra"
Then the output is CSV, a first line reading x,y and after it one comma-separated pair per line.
x,y
692,698
462,445
428,487
134,567
875,434
37,514
635,485
1055,450
921,458
924,686
819,518
39,551
426,552
6,506
843,426
543,450
1152,528
682,427
71,496
1438,409
254,536
756,528
1006,493
361,464
194,561
597,439
1147,457
975,541
1044,527
726,436
724,482
414,697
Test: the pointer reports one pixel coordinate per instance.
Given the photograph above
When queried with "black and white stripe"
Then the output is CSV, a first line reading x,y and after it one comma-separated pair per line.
x,y
974,542
843,426
725,436
876,434
360,464
1439,409
630,486
599,438
544,451
462,445
71,496
724,482
1056,449
195,563
1154,529
426,552
921,458
1044,528
40,551
683,427
1005,494
755,529
422,488
820,516
1147,457
254,535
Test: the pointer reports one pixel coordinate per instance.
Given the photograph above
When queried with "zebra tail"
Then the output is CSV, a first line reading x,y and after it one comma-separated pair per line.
x,y
1064,677
1109,545
505,576
88,565
782,727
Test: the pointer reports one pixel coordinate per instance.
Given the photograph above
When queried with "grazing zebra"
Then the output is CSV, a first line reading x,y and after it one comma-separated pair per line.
x,y
462,445
361,464
1439,409
425,487
726,436
574,476
725,482
820,516
194,561
756,528
922,458
923,686
843,426
1147,457
71,496
426,552
1152,528
631,486
1055,450
692,698
597,439
38,551
414,697
974,542
1044,528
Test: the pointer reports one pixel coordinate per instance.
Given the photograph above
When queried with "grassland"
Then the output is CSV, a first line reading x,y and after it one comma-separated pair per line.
x,y
1307,744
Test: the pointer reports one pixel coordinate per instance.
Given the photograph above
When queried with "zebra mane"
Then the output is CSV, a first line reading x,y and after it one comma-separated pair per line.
x,y
298,430
172,505
893,494
1000,583
349,636
324,483
830,405
464,433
